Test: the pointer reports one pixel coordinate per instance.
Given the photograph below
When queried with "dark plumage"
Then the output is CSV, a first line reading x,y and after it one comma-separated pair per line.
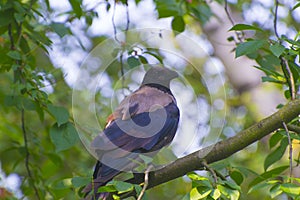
x,y
144,122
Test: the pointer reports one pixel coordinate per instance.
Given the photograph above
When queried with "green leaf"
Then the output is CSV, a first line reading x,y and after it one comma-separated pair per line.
x,y
231,184
275,191
116,197
236,176
55,159
167,8
80,181
277,154
215,194
107,188
63,137
62,184
125,2
296,6
295,69
293,42
245,171
19,17
155,56
270,80
268,174
259,186
200,192
229,193
186,197
60,29
14,55
270,72
60,114
39,110
123,186
13,101
20,8
242,27
6,17
287,94
108,7
146,159
202,12
248,47
133,61
269,62
291,189
194,176
76,7
277,49
143,60
138,189
24,45
275,138
178,24
28,104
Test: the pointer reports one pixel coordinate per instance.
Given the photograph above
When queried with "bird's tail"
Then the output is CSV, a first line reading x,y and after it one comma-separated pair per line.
x,y
102,175
90,193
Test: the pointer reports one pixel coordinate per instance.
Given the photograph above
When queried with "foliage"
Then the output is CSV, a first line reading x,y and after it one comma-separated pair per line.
x,y
32,112
38,138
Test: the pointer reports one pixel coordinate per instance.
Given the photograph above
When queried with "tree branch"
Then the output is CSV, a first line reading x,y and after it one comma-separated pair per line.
x,y
222,149
294,128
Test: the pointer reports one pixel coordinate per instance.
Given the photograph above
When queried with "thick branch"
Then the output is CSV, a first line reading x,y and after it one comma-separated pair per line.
x,y
294,128
222,149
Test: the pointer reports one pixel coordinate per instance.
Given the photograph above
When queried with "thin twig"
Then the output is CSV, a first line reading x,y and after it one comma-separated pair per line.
x,y
121,43
239,34
93,188
275,19
122,72
228,14
289,76
220,175
27,153
12,45
290,149
113,22
128,18
213,173
146,183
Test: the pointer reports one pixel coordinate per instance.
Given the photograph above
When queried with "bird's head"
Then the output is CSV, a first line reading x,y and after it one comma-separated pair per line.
x,y
159,75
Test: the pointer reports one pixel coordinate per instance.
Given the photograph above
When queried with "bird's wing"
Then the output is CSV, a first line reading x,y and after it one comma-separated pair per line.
x,y
140,121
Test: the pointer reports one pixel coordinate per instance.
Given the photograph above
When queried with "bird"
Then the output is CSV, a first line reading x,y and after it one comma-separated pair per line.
x,y
144,122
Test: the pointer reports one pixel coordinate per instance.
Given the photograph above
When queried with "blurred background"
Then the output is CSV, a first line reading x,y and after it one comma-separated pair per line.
x,y
88,55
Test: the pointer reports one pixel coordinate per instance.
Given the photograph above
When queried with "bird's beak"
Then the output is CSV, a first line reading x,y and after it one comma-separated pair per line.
x,y
171,74
174,74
